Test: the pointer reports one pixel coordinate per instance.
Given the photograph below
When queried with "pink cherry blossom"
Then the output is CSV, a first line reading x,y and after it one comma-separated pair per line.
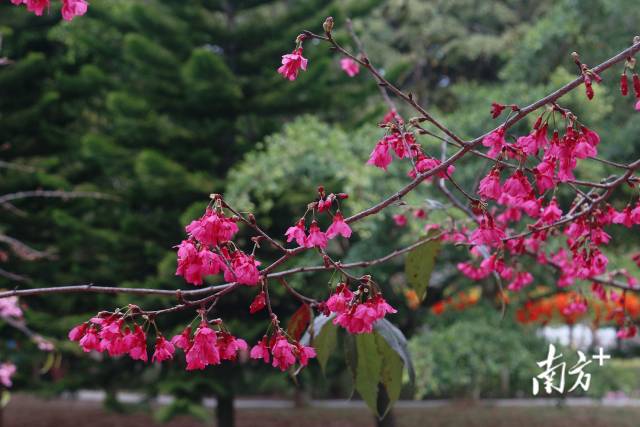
x,y
624,217
90,340
282,352
73,8
495,140
292,63
551,213
316,238
339,301
78,332
183,340
297,233
544,174
261,351
36,6
7,370
349,66
194,264
338,227
305,353
243,269
137,344
9,307
203,351
522,279
213,228
425,164
490,187
381,155
164,350
229,346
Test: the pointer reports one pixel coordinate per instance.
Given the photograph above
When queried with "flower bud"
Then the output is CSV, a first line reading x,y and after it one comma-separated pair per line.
x,y
328,25
636,84
624,84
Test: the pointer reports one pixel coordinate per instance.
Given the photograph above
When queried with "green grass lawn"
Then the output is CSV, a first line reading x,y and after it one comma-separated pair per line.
x,y
26,411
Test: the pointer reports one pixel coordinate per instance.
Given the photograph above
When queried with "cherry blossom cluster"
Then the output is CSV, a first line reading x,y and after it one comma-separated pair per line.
x,y
281,351
209,250
315,237
70,8
118,334
357,311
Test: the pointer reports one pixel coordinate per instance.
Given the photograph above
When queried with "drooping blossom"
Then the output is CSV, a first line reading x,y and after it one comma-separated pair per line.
x,y
90,340
183,340
7,370
349,66
426,164
517,185
489,187
194,264
73,8
473,272
355,316
37,6
203,351
77,332
551,213
495,141
292,63
316,238
305,353
544,174
9,307
229,346
496,109
487,233
136,342
624,217
391,116
419,213
258,303
282,352
261,351
339,300
213,228
338,227
243,269
522,279
297,233
163,351
381,155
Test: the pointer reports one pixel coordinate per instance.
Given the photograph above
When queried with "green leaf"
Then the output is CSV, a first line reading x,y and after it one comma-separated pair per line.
x,y
391,373
419,266
323,336
325,343
5,397
368,370
398,342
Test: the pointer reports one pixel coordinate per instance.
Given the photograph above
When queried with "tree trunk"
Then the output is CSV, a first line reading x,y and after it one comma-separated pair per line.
x,y
383,402
225,413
